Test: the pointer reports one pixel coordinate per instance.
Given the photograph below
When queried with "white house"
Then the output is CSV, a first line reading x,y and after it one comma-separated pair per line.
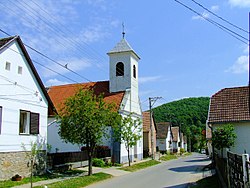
x,y
176,139
231,106
122,89
164,138
24,107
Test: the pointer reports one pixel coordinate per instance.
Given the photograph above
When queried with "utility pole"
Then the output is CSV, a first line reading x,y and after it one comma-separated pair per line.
x,y
152,101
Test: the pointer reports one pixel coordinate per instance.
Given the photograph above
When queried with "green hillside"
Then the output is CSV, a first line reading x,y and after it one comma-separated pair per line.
x,y
190,114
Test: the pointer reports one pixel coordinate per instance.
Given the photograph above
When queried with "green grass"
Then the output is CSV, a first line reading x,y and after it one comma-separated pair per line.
x,y
211,182
79,181
139,166
9,183
168,157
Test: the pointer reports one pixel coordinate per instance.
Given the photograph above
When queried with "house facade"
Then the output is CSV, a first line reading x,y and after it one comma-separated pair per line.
x,y
149,134
176,139
231,106
24,108
164,137
122,89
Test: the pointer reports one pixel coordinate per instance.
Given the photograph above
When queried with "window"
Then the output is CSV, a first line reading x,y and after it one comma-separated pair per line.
x,y
29,122
20,70
1,118
134,71
120,69
7,66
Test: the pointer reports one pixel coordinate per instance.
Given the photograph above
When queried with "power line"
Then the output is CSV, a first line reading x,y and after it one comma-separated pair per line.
x,y
223,19
225,29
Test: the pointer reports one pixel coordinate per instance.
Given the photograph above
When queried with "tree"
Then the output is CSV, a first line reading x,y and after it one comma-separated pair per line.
x,y
84,120
223,137
128,132
32,156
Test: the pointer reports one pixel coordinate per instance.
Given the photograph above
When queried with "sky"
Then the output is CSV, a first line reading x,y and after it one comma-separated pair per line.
x,y
182,54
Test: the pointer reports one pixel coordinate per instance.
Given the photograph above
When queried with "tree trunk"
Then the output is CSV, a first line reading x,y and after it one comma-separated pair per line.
x,y
128,158
90,163
31,174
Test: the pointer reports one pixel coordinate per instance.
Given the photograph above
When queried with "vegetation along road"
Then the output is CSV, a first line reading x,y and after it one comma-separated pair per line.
x,y
175,173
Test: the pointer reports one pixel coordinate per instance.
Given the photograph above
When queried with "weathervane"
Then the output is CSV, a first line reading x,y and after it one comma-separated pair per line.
x,y
123,32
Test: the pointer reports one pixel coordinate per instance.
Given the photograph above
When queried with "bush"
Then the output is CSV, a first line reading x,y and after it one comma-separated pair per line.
x,y
98,162
182,150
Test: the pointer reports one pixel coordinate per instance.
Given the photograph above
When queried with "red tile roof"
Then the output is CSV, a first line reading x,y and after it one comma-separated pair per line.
x,y
59,94
146,121
229,105
162,129
175,132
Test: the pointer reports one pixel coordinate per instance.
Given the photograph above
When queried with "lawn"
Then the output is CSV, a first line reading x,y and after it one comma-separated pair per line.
x,y
139,166
211,182
9,183
168,157
79,181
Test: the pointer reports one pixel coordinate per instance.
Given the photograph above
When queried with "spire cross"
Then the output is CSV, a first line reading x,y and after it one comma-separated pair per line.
x,y
123,32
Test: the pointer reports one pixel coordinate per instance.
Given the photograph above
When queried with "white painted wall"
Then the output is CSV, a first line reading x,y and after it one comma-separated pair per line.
x,y
164,144
18,92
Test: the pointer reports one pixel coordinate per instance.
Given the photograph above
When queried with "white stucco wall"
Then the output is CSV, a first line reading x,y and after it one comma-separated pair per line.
x,y
19,92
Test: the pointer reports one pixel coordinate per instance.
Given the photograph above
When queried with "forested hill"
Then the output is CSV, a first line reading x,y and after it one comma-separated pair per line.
x,y
187,112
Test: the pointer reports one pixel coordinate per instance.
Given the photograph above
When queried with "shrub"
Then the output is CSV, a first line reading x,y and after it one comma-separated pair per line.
x,y
98,162
182,150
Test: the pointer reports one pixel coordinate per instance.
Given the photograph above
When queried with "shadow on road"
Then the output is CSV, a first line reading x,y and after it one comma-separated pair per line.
x,y
178,186
192,168
198,160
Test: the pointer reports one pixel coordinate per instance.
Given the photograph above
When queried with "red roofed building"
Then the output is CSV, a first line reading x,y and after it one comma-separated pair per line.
x,y
121,89
231,106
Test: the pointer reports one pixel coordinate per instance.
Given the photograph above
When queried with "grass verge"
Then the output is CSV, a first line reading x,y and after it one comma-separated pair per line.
x,y
168,157
139,166
79,181
9,183
211,182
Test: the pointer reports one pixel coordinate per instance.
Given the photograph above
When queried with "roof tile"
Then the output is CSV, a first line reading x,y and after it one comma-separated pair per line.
x,y
162,129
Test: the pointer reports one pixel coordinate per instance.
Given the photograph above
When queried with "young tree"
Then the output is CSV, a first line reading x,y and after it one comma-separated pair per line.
x,y
128,132
223,137
84,118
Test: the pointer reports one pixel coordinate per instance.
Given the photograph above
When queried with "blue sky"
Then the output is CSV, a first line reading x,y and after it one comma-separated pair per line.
x,y
182,55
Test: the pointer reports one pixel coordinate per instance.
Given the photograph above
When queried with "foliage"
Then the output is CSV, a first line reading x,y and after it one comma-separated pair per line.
x,y
190,114
168,157
128,132
182,150
98,162
79,182
84,119
140,165
223,137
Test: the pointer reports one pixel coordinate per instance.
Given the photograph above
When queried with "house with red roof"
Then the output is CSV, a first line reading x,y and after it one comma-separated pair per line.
x,y
176,139
149,134
164,138
121,89
24,108
231,106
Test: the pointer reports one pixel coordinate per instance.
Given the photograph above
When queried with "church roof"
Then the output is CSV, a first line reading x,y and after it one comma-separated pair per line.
x,y
59,94
122,46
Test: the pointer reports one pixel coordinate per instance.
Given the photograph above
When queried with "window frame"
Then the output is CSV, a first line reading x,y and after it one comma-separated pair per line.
x,y
20,70
7,66
119,69
32,123
134,71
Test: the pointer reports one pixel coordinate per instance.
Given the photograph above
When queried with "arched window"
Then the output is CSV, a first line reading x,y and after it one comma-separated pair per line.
x,y
120,69
134,71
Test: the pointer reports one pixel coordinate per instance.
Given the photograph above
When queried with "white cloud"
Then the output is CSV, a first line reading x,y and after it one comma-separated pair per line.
x,y
240,66
240,3
54,82
206,14
214,8
149,79
72,64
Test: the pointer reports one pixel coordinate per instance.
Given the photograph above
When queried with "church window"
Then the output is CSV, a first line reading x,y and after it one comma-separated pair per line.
x,y
134,71
120,69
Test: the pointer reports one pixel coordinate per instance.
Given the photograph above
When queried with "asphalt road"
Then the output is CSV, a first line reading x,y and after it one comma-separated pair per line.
x,y
171,174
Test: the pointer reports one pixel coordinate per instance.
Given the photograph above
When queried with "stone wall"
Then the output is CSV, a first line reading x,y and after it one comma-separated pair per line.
x,y
12,163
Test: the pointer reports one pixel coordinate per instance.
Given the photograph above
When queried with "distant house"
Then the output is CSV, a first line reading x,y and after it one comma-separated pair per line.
x,y
176,139
122,89
185,143
148,136
24,108
231,106
164,137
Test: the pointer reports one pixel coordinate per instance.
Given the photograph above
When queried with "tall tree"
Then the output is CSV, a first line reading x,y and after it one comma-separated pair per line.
x,y
84,119
128,132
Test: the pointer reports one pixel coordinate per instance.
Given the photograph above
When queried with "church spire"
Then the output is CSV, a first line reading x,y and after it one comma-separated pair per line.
x,y
123,32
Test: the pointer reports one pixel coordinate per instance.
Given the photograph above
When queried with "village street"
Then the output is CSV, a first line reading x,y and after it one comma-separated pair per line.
x,y
171,174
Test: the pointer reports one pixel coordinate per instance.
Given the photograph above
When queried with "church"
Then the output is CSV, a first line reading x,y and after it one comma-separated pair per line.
x,y
122,89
